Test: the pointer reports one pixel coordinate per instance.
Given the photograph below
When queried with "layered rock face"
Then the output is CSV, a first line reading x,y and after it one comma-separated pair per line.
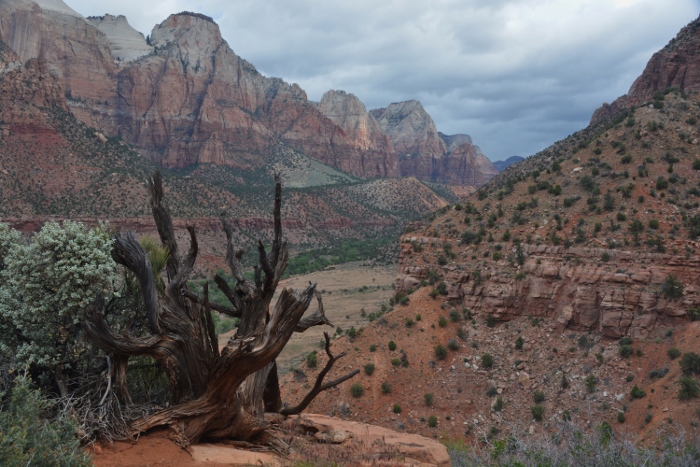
x,y
185,98
79,52
126,43
426,154
675,66
573,288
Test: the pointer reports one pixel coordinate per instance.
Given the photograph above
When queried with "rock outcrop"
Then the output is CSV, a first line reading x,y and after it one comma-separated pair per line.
x,y
50,30
426,154
573,288
126,43
675,66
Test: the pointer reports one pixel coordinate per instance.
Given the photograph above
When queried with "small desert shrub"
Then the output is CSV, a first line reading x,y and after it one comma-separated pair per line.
x,y
487,360
455,316
537,412
432,421
519,342
409,322
396,361
397,408
428,398
591,382
372,348
672,287
386,388
690,363
357,390
369,369
637,393
440,352
392,345
689,388
673,353
442,322
452,344
491,391
498,406
626,351
312,360
621,417
538,397
27,439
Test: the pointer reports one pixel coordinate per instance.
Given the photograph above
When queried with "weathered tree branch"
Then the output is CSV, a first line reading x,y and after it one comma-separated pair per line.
x,y
128,252
320,385
164,223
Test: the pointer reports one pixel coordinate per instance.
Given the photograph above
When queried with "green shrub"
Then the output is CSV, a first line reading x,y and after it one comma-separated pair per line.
x,y
440,352
397,408
519,342
372,348
487,360
369,369
591,382
392,345
432,421
491,391
455,316
428,398
27,439
672,287
690,363
396,361
498,406
442,322
538,397
312,360
621,417
537,412
653,224
696,164
357,390
452,344
637,393
626,351
386,388
409,322
673,353
689,388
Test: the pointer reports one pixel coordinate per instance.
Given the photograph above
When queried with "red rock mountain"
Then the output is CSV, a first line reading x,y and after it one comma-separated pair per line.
x,y
184,97
675,66
429,155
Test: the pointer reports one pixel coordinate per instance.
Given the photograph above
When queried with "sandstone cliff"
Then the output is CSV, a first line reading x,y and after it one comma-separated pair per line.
x,y
426,154
126,43
79,52
571,287
675,66
186,98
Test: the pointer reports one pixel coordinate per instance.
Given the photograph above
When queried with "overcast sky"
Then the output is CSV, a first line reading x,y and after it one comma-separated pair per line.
x,y
517,75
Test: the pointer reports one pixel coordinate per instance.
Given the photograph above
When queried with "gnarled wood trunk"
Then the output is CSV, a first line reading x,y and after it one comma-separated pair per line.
x,y
215,394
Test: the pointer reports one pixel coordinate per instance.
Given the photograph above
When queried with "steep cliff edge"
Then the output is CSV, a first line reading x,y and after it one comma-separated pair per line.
x,y
427,154
675,66
126,43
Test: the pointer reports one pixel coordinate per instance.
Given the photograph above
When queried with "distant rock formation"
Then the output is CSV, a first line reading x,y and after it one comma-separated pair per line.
x,y
184,97
503,165
429,155
127,43
675,66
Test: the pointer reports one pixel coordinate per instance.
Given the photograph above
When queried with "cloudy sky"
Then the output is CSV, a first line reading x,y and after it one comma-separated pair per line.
x,y
517,75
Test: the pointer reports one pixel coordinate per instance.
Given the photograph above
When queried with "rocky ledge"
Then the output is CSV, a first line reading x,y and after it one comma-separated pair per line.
x,y
616,293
